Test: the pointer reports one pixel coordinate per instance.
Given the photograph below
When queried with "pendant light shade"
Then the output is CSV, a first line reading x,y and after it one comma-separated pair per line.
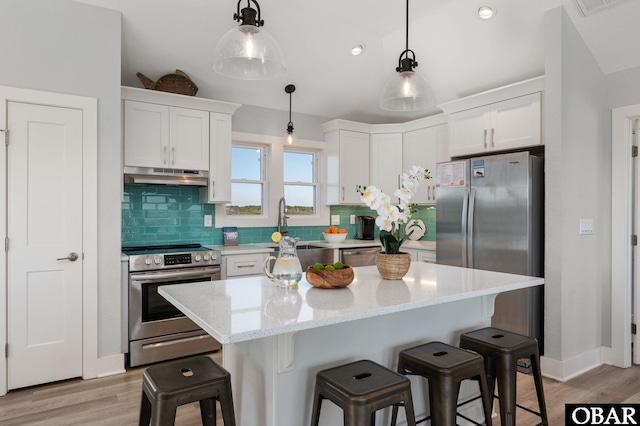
x,y
290,137
406,91
248,52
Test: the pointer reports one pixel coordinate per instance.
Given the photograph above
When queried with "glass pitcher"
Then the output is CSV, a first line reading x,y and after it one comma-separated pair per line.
x,y
287,270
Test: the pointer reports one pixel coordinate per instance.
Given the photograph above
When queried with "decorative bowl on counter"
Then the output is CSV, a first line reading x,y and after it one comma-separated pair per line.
x,y
322,278
334,238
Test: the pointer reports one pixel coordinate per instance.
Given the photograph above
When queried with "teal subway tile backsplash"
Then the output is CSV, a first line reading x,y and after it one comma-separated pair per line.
x,y
155,215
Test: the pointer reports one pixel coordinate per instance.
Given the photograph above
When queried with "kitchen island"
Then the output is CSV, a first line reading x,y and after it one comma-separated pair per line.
x,y
275,341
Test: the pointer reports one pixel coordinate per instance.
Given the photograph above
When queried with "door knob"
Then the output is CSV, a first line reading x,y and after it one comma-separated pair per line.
x,y
72,257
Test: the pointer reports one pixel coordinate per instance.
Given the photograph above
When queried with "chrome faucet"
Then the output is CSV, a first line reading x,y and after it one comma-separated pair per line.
x,y
282,216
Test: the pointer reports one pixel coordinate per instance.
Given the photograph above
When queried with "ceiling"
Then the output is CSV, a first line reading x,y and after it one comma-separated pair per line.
x,y
458,54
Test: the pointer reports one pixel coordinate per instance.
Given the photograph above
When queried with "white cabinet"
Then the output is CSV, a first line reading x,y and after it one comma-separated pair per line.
x,y
425,147
243,265
510,124
347,165
219,188
166,130
428,256
420,255
386,161
165,136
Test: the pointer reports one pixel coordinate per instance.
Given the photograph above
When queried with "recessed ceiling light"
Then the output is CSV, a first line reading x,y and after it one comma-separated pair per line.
x,y
487,12
357,49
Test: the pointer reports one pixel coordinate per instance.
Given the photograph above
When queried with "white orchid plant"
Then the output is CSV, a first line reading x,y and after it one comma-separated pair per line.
x,y
392,216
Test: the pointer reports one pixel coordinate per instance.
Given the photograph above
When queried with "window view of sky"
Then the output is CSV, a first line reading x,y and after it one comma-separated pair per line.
x,y
298,168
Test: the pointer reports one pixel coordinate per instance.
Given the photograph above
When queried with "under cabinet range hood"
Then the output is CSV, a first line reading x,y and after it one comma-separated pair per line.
x,y
160,176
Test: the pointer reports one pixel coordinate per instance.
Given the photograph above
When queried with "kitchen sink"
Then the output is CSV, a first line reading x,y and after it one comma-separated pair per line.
x,y
309,254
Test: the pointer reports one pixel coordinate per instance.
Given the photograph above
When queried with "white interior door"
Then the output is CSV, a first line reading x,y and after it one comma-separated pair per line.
x,y
44,218
635,291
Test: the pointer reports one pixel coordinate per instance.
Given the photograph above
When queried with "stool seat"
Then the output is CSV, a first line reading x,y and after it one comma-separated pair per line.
x,y
445,367
361,388
501,350
198,379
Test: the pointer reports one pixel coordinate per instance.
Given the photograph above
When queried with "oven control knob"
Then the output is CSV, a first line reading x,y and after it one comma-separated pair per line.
x,y
198,258
157,261
206,257
213,256
147,261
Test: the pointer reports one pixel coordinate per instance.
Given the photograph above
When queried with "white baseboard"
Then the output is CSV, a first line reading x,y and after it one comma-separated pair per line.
x,y
110,365
572,367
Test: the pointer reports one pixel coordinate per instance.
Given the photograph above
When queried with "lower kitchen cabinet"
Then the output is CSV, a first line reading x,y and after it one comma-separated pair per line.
x,y
243,265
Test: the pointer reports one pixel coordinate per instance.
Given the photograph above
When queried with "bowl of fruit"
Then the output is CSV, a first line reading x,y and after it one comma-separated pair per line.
x,y
335,275
334,235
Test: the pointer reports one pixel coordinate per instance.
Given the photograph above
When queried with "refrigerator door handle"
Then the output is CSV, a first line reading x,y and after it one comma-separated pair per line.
x,y
472,202
465,210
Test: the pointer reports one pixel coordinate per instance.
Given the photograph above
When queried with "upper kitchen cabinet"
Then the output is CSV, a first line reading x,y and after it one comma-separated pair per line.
x,y
219,188
501,119
386,160
171,131
425,143
165,136
347,154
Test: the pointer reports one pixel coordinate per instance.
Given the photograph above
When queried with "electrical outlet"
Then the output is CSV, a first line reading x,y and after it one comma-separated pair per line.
x,y
586,226
352,219
208,221
335,219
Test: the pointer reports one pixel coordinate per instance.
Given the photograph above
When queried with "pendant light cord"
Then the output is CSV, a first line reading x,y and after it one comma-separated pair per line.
x,y
407,37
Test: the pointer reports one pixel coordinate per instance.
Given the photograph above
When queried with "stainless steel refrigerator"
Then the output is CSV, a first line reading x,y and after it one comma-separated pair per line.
x,y
490,215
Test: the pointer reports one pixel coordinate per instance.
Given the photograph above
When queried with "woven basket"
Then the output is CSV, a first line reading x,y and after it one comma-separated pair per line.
x,y
393,266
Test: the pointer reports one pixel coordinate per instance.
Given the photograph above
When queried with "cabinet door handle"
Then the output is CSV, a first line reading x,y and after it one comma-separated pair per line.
x,y
343,193
485,139
213,192
164,156
173,155
493,132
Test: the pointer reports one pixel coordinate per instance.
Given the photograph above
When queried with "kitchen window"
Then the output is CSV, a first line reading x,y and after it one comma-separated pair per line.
x,y
248,180
300,182
263,170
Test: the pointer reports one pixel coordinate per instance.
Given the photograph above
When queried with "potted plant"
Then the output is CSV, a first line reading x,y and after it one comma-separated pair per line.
x,y
393,264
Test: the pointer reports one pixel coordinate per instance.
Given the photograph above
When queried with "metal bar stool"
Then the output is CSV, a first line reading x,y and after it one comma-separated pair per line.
x,y
501,350
166,386
445,367
361,388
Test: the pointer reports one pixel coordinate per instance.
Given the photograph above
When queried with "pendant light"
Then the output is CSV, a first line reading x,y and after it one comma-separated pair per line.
x,y
248,52
290,136
407,91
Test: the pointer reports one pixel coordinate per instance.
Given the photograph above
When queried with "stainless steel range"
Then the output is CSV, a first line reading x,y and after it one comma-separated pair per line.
x,y
157,330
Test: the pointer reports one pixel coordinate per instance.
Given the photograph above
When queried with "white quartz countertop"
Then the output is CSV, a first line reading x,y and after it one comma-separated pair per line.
x,y
346,244
254,307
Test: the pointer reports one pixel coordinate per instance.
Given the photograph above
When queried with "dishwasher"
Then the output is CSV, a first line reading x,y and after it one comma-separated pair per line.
x,y
359,256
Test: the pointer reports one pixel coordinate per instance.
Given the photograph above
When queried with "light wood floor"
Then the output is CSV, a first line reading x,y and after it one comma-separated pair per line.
x,y
115,400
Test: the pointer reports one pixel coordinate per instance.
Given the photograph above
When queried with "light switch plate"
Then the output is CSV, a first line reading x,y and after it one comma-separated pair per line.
x,y
208,220
335,219
352,219
586,226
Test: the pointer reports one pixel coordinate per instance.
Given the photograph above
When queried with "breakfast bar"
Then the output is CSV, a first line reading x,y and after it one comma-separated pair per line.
x,y
276,340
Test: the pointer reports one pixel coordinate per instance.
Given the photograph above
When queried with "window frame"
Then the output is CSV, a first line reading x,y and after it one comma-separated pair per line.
x,y
315,180
264,176
273,156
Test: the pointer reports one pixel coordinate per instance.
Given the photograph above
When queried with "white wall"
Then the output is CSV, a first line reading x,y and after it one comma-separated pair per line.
x,y
264,121
68,47
578,185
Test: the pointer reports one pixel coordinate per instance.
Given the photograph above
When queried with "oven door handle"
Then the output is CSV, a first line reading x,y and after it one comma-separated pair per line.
x,y
157,276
